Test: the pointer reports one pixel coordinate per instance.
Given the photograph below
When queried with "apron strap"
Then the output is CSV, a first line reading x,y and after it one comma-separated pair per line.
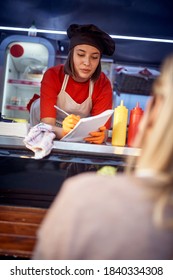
x,y
65,81
91,87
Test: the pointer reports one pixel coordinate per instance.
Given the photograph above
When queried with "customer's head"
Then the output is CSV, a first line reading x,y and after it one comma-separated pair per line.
x,y
156,128
87,45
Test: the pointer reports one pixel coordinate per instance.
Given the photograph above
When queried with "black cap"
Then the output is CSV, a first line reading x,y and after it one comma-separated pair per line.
x,y
90,34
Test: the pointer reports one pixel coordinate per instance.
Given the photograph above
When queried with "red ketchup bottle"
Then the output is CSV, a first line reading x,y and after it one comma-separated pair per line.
x,y
135,117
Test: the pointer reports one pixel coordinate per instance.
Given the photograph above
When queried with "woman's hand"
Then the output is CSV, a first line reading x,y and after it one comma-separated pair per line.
x,y
97,137
69,123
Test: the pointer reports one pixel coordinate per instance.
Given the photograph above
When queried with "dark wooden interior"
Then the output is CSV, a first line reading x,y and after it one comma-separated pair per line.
x,y
18,228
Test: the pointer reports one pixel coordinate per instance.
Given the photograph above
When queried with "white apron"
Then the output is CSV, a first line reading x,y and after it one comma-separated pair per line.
x,y
65,102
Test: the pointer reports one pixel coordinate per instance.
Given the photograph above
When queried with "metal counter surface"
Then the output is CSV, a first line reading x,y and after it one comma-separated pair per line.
x,y
74,148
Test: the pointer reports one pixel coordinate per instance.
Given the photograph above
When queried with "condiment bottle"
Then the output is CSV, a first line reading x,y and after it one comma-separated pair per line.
x,y
135,117
119,125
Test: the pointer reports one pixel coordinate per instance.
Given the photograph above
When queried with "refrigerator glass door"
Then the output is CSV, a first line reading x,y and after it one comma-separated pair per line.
x,y
25,65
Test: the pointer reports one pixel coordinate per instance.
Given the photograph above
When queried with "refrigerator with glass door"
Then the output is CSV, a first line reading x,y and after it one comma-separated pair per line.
x,y
23,61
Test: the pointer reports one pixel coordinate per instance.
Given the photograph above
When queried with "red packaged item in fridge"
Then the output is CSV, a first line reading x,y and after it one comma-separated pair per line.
x,y
135,117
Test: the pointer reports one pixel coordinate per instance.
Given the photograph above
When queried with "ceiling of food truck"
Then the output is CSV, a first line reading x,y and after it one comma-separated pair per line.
x,y
145,18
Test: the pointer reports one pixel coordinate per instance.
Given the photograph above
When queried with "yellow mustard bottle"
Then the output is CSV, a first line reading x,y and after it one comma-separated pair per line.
x,y
119,125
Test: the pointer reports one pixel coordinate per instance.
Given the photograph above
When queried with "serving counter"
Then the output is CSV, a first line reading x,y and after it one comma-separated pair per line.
x,y
28,186
27,181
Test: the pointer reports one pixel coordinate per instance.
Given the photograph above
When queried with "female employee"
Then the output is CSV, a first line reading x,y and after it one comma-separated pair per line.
x,y
78,87
123,216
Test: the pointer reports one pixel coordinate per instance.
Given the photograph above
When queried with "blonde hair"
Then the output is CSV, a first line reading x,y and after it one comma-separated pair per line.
x,y
157,149
157,146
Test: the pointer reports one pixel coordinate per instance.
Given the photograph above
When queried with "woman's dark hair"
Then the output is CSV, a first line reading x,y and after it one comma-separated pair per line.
x,y
69,67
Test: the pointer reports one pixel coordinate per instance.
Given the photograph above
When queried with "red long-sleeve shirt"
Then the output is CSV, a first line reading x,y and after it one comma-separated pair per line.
x,y
51,85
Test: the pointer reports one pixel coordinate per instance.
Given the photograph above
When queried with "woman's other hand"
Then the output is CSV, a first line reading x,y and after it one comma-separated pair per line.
x,y
97,137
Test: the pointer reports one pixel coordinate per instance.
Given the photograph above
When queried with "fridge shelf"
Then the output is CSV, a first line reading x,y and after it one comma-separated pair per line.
x,y
24,82
16,107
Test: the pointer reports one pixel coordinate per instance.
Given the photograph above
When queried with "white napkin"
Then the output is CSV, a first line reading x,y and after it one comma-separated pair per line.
x,y
40,140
